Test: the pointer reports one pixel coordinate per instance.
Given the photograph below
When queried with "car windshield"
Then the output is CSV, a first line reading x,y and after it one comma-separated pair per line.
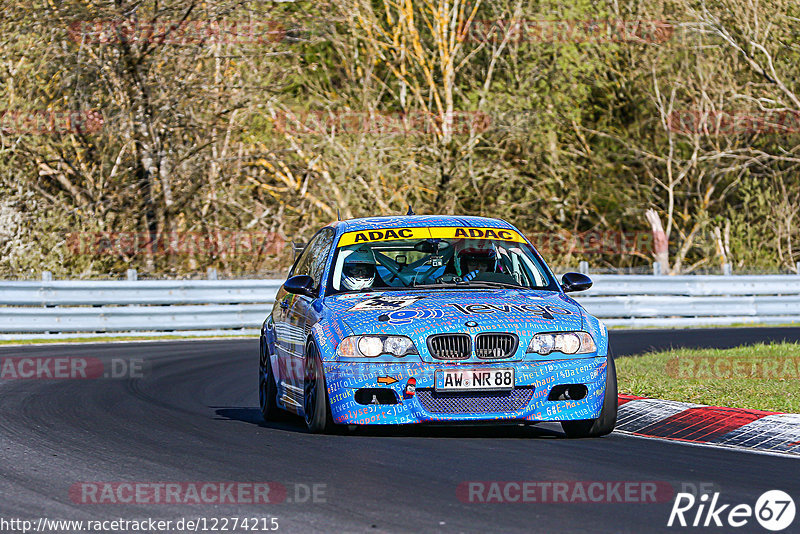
x,y
441,257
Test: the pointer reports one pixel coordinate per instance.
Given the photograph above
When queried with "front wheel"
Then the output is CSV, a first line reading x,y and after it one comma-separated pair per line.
x,y
267,388
316,406
592,428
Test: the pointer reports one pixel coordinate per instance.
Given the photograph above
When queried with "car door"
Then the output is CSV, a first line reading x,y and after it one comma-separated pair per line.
x,y
308,310
287,337
294,311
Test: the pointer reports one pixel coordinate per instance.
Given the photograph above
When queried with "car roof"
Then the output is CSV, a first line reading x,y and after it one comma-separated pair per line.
x,y
412,221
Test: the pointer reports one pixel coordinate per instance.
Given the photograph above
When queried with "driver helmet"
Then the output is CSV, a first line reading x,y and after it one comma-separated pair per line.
x,y
358,271
472,259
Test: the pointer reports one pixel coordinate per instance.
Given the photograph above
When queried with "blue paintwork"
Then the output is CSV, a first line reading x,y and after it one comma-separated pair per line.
x,y
328,319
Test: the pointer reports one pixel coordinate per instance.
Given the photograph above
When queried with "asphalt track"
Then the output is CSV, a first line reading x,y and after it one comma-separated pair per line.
x,y
192,417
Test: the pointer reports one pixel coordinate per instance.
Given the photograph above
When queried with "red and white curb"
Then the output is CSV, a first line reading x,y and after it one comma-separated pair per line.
x,y
712,425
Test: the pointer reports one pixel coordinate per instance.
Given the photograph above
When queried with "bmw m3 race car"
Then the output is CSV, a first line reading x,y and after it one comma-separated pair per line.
x,y
433,319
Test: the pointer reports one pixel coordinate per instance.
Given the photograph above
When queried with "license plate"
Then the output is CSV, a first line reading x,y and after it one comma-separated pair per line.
x,y
474,379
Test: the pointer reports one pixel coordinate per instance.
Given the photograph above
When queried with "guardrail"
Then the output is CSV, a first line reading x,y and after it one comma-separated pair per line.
x,y
123,306
644,300
165,306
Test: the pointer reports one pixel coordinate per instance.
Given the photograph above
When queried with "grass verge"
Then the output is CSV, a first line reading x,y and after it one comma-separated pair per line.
x,y
760,377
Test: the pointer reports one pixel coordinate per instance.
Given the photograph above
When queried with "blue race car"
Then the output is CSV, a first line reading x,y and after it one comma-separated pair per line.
x,y
429,319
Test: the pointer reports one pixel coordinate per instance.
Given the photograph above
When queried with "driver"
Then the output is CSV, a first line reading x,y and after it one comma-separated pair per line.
x,y
358,271
472,262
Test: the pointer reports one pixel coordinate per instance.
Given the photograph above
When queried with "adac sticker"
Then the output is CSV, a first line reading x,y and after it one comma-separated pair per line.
x,y
387,234
459,232
437,232
385,303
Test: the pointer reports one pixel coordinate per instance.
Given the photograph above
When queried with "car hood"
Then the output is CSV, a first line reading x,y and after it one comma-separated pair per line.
x,y
421,313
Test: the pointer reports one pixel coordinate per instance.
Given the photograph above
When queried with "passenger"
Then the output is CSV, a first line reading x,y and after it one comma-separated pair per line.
x,y
473,262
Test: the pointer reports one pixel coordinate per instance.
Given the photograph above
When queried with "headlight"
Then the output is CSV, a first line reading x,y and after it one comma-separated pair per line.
x,y
370,346
566,342
373,346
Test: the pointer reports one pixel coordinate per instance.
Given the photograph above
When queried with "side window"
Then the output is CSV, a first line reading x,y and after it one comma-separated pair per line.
x,y
322,247
301,266
312,260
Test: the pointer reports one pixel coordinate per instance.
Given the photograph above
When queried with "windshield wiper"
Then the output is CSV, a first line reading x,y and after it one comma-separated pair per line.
x,y
436,286
468,285
376,289
487,283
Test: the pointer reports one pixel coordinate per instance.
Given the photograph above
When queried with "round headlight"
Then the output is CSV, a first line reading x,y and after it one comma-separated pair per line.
x,y
545,343
370,346
398,345
569,343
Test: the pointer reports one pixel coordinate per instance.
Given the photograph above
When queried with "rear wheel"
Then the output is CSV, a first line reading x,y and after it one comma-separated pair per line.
x,y
267,388
316,405
592,428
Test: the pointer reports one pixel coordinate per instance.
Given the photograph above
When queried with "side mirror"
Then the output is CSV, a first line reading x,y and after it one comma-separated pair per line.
x,y
302,284
575,282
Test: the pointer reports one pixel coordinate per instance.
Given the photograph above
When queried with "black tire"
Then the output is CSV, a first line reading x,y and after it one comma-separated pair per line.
x,y
267,387
592,428
316,405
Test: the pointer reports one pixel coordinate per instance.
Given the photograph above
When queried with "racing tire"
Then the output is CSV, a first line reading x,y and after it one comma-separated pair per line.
x,y
316,404
593,428
267,388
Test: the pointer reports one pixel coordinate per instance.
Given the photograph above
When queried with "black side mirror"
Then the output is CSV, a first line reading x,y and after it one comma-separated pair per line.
x,y
302,284
575,282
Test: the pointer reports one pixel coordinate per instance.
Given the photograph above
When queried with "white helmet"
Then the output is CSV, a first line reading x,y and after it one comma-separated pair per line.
x,y
358,271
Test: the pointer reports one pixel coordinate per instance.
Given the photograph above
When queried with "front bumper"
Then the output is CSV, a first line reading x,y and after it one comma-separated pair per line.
x,y
527,402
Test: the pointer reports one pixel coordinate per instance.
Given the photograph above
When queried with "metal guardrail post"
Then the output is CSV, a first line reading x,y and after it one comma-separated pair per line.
x,y
727,269
47,276
131,274
211,273
583,267
797,267
657,268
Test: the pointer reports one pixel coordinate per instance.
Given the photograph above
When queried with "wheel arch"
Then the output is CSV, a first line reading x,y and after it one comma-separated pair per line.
x,y
327,338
